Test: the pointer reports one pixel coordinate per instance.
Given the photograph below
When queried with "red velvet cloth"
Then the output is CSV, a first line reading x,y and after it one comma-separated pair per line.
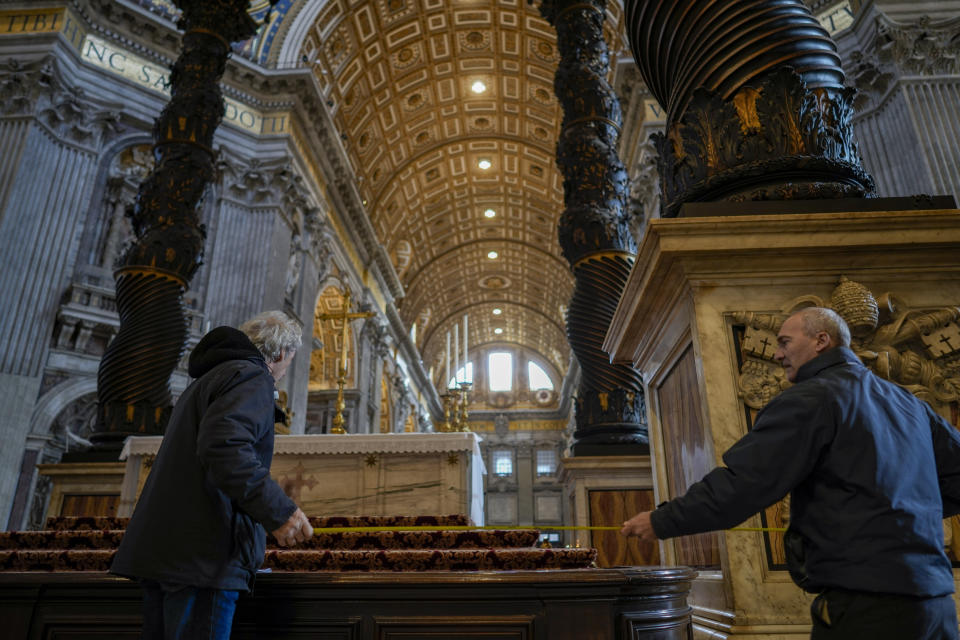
x,y
88,544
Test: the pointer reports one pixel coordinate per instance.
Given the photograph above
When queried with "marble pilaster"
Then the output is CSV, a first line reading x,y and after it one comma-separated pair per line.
x,y
902,59
45,186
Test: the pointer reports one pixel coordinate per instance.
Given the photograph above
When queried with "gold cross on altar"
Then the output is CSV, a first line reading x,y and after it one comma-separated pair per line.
x,y
344,315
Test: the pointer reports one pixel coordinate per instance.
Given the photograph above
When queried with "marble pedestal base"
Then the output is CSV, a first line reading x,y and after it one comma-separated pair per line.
x,y
605,491
83,488
698,318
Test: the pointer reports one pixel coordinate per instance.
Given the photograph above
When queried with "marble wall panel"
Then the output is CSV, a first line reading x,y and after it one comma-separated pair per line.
x,y
611,508
375,484
547,508
502,508
688,452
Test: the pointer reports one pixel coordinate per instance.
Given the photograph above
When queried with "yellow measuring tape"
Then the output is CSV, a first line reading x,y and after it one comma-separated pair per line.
x,y
318,530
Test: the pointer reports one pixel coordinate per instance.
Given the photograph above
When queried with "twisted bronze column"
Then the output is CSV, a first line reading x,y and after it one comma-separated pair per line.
x,y
594,231
755,100
133,387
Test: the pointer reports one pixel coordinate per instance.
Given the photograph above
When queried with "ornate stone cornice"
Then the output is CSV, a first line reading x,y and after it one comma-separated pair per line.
x,y
66,111
257,183
320,241
870,76
375,332
924,48
145,33
332,158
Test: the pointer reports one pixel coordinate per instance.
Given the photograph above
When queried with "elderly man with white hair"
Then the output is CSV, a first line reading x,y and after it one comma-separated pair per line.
x,y
871,470
197,535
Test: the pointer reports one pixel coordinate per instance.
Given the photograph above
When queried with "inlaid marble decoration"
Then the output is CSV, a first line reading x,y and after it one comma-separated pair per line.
x,y
759,383
688,453
547,508
610,508
503,508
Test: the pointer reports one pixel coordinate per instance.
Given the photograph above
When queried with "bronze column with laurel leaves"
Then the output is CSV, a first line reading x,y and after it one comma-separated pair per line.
x,y
133,388
594,232
755,99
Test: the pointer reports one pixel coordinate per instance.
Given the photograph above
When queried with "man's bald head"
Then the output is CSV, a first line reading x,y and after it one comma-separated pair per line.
x,y
806,334
817,319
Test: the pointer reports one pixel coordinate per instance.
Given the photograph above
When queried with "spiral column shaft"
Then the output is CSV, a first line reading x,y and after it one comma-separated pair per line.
x,y
133,388
593,230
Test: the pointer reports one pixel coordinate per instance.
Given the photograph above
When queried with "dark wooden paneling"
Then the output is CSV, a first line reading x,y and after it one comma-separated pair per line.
x,y
442,628
610,508
586,604
307,629
688,452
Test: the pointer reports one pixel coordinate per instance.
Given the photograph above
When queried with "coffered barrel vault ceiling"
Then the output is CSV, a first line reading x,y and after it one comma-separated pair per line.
x,y
398,78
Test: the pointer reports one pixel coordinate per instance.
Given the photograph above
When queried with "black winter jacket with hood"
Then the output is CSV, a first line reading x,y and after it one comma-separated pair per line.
x,y
201,516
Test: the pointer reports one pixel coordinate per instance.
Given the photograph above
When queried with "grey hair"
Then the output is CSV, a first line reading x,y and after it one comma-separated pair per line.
x,y
274,333
817,319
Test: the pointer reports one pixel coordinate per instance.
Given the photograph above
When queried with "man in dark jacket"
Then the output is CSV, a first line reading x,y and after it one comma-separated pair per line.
x,y
872,470
196,537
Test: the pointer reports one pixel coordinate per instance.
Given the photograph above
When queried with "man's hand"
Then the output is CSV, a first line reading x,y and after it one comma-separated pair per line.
x,y
639,525
296,529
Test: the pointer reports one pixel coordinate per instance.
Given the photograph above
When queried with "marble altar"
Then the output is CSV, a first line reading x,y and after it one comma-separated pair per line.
x,y
356,474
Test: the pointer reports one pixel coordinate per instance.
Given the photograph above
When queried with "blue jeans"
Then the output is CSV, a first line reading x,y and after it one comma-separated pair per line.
x,y
182,612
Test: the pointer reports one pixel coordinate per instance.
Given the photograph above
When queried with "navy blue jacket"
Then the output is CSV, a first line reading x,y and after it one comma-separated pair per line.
x,y
872,471
200,518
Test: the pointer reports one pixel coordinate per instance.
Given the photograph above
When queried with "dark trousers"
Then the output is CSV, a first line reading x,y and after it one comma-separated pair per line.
x,y
180,612
850,615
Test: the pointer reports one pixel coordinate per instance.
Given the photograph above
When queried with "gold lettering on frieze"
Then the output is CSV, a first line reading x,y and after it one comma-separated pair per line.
x,y
38,21
653,112
836,18
42,21
144,73
537,425
108,57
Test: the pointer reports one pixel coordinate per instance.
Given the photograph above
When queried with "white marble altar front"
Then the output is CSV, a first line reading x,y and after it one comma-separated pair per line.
x,y
356,474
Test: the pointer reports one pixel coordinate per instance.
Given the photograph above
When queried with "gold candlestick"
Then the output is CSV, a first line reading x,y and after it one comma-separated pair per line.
x,y
464,399
445,426
341,405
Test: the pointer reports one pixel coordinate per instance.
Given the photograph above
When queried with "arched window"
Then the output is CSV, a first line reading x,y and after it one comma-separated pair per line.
x,y
500,371
537,377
